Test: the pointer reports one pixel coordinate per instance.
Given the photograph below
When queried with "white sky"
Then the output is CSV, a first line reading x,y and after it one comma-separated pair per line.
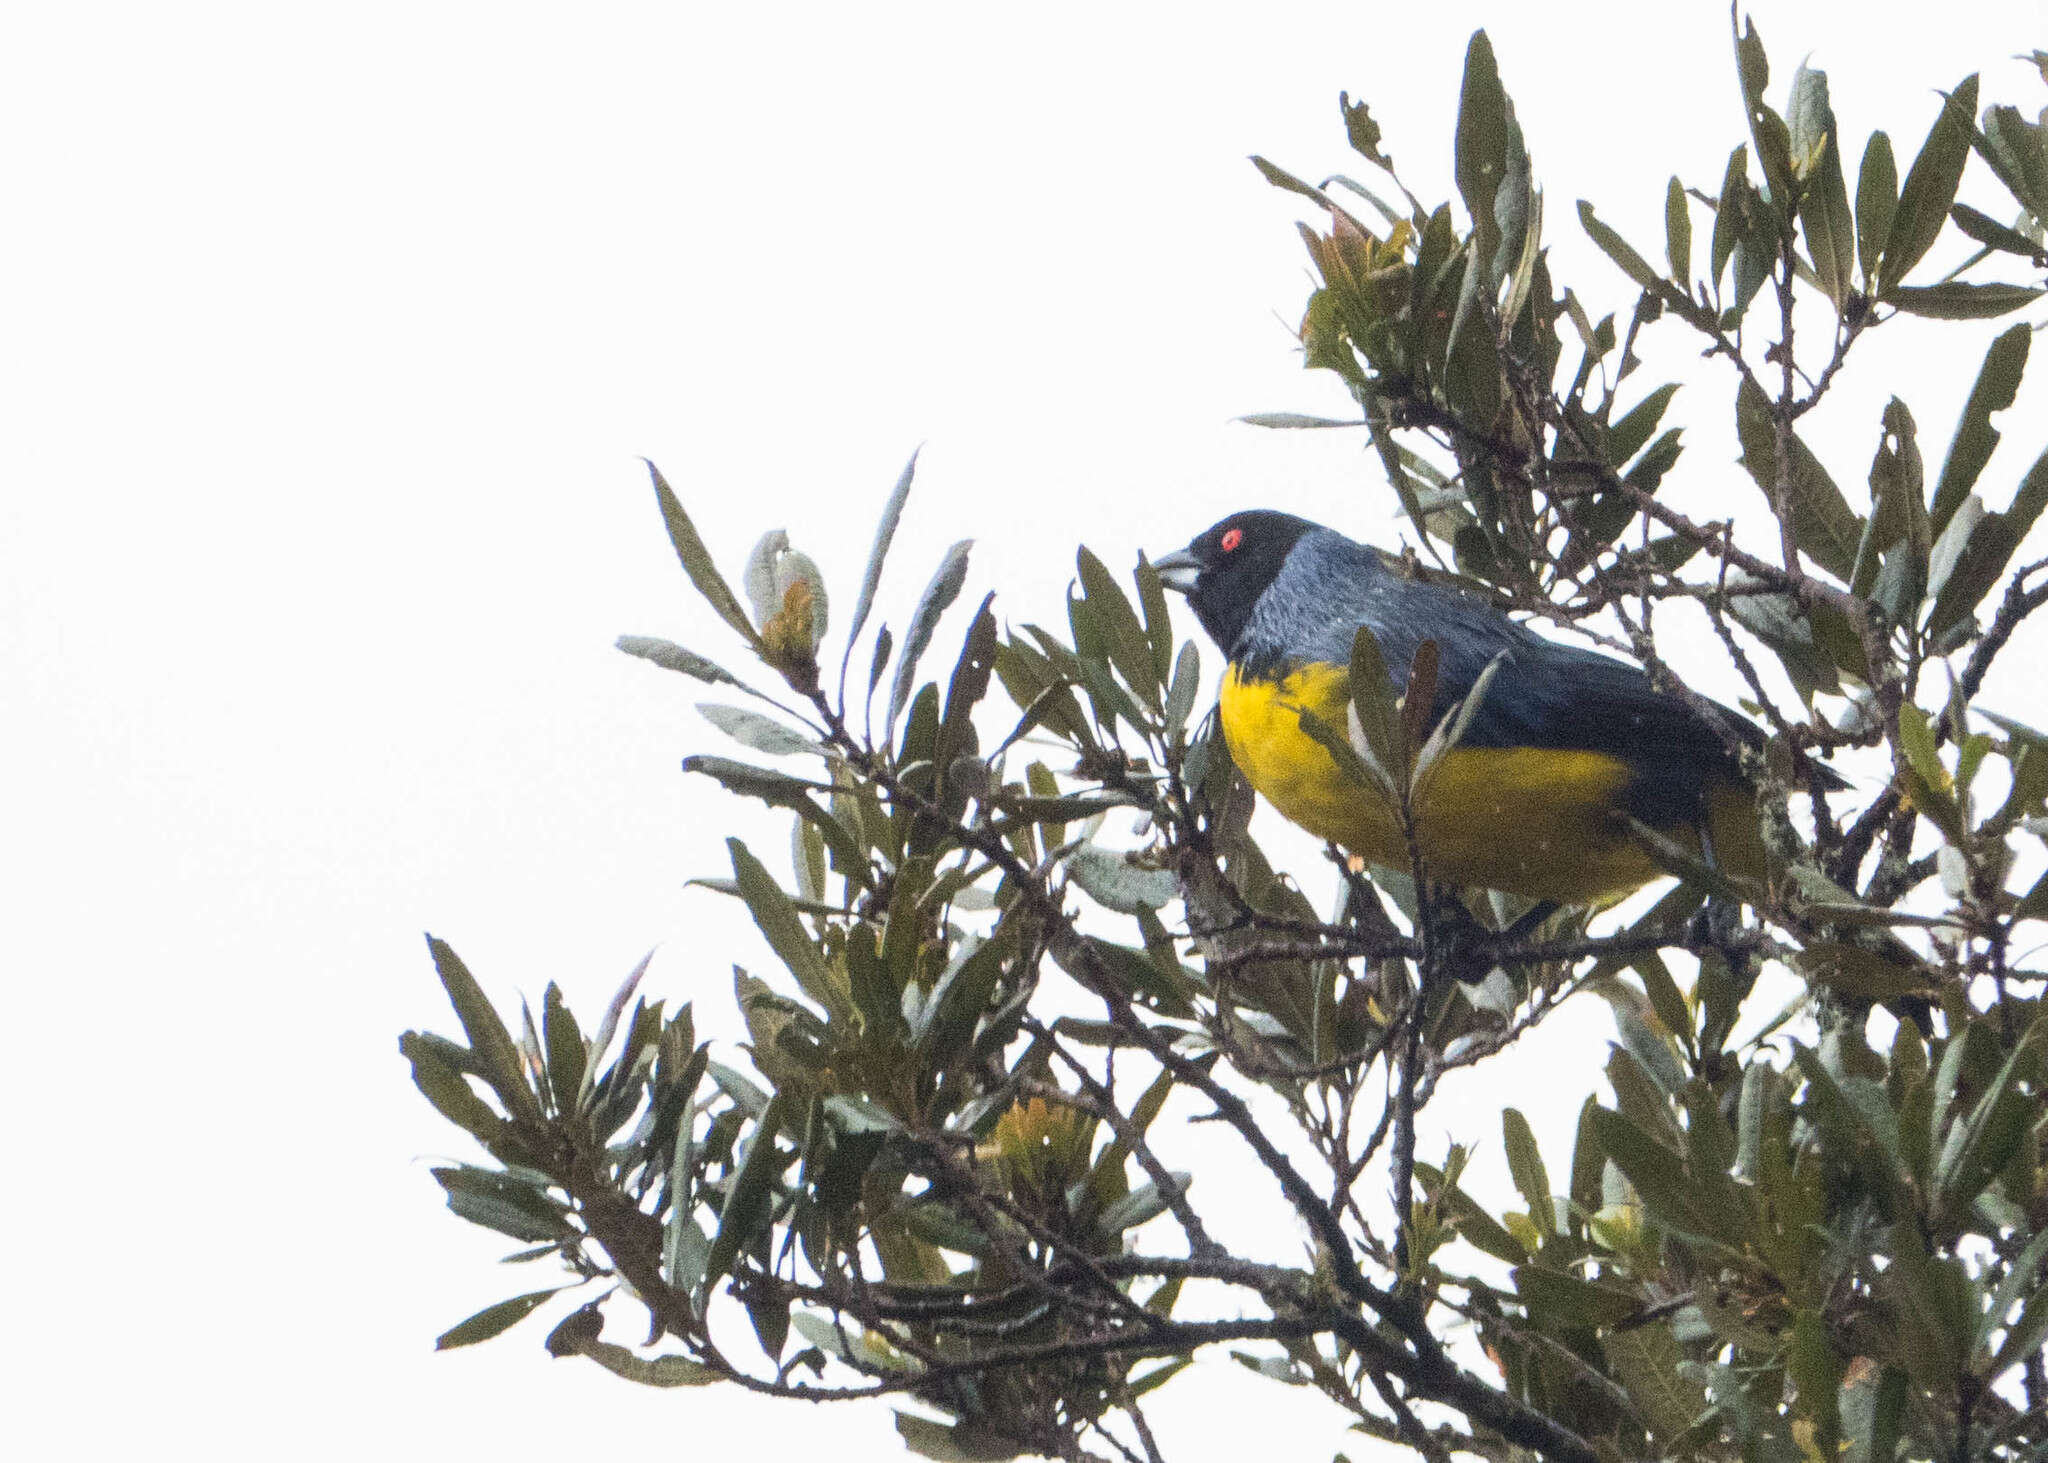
x,y
332,337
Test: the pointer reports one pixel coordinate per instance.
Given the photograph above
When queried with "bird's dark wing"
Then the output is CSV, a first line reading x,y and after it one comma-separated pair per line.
x,y
1564,698
1545,694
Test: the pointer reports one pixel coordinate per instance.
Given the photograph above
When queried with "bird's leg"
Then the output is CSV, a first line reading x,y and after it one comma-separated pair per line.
x,y
1471,950
1528,923
1464,945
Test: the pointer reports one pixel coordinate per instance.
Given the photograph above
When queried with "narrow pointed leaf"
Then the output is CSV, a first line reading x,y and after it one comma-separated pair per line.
x,y
762,733
1525,1163
697,562
673,657
1826,528
1997,384
1930,188
493,1320
1618,249
1824,204
746,1205
1877,198
1481,150
1993,234
885,534
1677,231
488,1037
1957,300
648,1371
784,929
938,595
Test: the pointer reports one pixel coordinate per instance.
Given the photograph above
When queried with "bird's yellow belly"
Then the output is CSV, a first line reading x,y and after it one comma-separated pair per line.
x,y
1534,821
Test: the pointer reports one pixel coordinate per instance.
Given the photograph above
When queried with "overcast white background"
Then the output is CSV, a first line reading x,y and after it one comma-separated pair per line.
x,y
330,337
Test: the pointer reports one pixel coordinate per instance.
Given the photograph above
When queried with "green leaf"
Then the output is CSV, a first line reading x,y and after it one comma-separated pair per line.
x,y
1618,249
446,1088
1824,204
1992,234
1816,1371
1989,546
1627,436
1377,708
1295,421
2024,1335
1851,970
1646,1360
1362,132
1113,881
964,691
1998,381
1930,785
1766,128
1664,996
499,1202
1478,1228
1525,1162
1930,187
1979,1146
746,1203
1481,154
1853,1124
1728,213
937,596
1877,199
1452,726
2021,1278
1058,809
1559,1295
1589,1163
784,929
780,790
697,562
1956,300
1937,1322
1677,231
673,657
1898,527
1956,534
492,1320
1187,681
851,1344
856,1115
1825,527
1887,1417
1124,638
2017,151
488,1038
1131,973
1280,178
566,1053
885,534
1158,619
960,1442
762,733
1140,1206
648,1371
1656,1173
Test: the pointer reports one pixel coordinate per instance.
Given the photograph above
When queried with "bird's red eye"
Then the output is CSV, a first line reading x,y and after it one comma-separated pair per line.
x,y
1232,538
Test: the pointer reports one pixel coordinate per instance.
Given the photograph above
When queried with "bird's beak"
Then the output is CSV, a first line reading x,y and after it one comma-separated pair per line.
x,y
1178,570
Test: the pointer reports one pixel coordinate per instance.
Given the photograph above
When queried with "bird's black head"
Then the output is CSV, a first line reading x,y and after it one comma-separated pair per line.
x,y
1225,570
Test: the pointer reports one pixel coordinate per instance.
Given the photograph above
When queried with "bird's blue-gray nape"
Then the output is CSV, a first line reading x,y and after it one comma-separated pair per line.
x,y
1330,585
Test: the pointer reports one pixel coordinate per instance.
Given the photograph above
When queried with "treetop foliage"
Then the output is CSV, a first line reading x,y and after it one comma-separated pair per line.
x,y
1006,941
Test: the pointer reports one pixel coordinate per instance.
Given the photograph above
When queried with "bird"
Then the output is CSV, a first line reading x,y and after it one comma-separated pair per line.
x,y
1564,748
